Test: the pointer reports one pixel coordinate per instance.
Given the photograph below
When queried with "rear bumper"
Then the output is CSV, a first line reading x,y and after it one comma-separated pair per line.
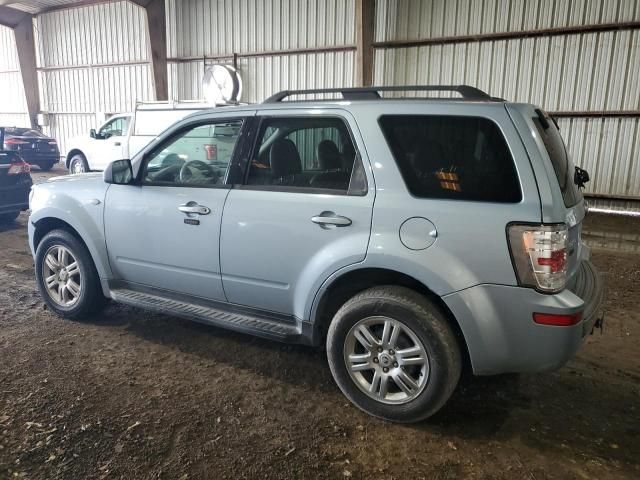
x,y
587,285
14,198
37,158
501,336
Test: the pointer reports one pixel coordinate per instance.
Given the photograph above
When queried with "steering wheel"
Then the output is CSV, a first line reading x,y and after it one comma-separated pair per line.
x,y
200,165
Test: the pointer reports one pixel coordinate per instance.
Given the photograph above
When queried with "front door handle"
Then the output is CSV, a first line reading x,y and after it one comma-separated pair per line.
x,y
326,219
117,144
193,207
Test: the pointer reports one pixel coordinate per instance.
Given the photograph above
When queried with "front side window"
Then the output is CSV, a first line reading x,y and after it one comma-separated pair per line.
x,y
451,157
198,156
307,153
115,128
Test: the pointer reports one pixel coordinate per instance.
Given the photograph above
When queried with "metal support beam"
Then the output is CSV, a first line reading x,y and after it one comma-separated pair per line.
x,y
26,46
365,30
157,38
10,17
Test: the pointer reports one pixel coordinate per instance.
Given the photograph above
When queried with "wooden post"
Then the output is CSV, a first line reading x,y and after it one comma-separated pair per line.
x,y
26,46
365,31
157,38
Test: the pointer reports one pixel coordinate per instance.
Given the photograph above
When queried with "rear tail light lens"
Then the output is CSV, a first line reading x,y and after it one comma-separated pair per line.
x,y
14,141
52,142
539,255
17,168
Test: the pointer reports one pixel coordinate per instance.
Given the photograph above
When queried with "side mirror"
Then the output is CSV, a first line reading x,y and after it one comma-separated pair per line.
x,y
119,172
92,133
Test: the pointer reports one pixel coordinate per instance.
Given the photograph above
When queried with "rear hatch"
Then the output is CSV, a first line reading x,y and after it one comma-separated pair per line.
x,y
561,199
564,171
15,180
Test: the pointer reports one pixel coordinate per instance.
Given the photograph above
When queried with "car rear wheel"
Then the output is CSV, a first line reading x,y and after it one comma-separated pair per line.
x,y
45,167
8,217
66,276
393,353
78,164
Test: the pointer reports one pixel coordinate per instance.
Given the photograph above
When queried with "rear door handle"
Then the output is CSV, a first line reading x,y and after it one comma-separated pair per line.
x,y
193,207
330,218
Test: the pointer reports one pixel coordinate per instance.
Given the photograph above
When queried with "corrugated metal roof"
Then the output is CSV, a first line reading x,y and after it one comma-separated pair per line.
x,y
37,6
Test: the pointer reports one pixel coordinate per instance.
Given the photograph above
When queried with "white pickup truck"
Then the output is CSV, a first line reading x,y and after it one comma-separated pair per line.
x,y
124,135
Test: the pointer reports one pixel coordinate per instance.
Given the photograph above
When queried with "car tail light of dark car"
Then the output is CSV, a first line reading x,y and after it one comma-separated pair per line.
x,y
14,141
18,167
539,254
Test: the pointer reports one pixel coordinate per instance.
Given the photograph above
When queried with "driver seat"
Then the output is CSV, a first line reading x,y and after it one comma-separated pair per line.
x,y
285,162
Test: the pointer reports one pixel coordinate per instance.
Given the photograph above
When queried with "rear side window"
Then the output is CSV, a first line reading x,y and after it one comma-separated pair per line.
x,y
557,151
306,154
461,158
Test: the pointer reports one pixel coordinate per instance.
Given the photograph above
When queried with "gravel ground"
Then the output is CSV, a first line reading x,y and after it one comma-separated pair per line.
x,y
130,394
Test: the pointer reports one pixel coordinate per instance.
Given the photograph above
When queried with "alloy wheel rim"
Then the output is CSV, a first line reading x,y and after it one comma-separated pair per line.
x,y
61,275
386,360
78,167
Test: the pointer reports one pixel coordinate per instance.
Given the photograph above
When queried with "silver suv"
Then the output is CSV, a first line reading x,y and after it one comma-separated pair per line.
x,y
412,237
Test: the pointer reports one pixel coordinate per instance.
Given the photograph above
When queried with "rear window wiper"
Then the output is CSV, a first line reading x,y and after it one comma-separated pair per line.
x,y
543,120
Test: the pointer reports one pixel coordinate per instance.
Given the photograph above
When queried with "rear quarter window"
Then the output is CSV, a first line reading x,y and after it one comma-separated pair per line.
x,y
452,157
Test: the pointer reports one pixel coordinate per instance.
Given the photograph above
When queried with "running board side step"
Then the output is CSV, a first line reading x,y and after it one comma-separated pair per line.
x,y
232,319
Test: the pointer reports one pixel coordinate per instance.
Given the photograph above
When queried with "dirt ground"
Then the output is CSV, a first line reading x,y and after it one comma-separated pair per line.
x,y
130,395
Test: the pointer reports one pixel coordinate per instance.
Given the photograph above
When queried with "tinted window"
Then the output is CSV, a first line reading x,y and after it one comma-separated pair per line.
x,y
461,158
198,156
306,153
562,166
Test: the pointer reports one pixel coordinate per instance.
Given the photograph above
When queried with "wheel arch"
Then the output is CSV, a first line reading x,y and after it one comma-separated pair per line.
x,y
48,223
334,294
73,152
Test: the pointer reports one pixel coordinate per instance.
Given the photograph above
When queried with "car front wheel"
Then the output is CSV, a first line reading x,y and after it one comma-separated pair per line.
x,y
66,276
78,164
393,354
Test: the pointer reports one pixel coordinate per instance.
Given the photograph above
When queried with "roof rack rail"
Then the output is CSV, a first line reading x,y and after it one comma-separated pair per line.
x,y
372,93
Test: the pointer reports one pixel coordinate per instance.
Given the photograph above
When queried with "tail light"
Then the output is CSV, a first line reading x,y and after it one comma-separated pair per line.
x,y
19,167
52,142
539,255
14,141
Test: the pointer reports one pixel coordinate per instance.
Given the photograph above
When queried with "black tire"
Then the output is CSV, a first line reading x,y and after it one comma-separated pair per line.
x,y
431,327
45,167
8,217
81,161
91,299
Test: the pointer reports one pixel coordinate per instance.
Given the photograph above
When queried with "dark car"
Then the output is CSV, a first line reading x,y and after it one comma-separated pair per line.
x,y
33,146
15,185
